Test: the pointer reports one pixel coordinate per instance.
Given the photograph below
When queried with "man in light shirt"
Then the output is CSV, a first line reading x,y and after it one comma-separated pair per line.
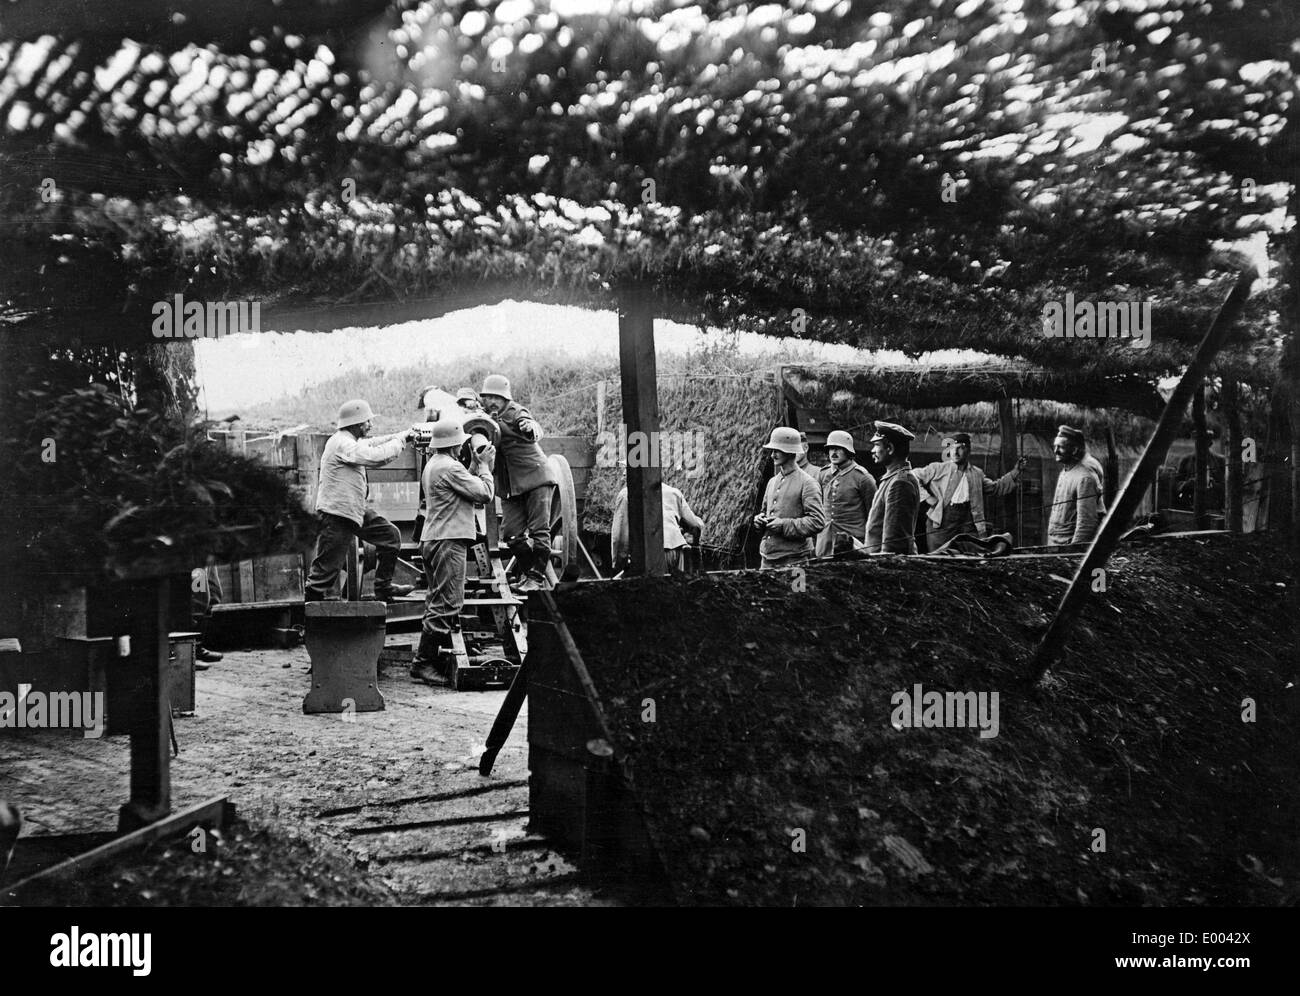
x,y
451,492
1077,506
341,505
955,492
679,521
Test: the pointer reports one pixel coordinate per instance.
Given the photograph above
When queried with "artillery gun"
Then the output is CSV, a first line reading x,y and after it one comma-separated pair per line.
x,y
492,641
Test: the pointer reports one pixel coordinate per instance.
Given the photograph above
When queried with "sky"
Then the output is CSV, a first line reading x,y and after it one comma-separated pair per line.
x,y
238,370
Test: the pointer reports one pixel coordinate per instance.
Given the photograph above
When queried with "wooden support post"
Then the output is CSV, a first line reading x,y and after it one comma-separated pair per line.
x,y
1007,432
149,720
1232,483
1116,521
1200,485
1293,413
505,721
636,349
1110,487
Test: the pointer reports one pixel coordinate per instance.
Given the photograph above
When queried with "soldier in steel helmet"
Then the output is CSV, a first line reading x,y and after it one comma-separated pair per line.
x,y
792,505
847,493
451,492
525,484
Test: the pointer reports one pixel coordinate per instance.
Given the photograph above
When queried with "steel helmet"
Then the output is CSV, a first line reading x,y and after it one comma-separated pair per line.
x,y
786,440
446,432
841,439
498,385
353,413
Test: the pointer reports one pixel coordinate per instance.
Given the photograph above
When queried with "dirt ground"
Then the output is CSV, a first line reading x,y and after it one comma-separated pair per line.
x,y
772,772
387,809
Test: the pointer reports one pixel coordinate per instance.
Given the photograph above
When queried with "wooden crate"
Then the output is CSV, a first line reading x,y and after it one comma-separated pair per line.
x,y
277,577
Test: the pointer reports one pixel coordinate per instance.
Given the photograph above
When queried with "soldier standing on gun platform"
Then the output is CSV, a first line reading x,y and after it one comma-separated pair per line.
x,y
341,504
525,483
451,492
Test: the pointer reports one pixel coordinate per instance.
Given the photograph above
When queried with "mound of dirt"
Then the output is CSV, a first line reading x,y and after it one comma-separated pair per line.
x,y
1158,766
242,866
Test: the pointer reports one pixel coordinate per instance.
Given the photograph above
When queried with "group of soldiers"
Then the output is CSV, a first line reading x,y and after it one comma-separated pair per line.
x,y
811,511
807,511
457,479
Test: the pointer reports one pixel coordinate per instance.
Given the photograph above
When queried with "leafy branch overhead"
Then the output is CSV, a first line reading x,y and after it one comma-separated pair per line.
x,y
902,174
99,488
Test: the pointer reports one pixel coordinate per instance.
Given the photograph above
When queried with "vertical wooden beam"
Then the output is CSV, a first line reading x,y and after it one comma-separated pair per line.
x,y
1201,482
636,351
150,714
1293,414
1117,519
1232,484
1007,434
1110,487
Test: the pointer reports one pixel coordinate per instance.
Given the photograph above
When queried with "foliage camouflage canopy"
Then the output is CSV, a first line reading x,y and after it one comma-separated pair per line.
x,y
798,153
914,174
97,485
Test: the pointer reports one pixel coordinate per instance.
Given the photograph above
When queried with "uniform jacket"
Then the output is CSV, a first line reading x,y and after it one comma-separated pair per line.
x,y
342,487
1076,507
521,465
796,502
891,525
808,467
942,480
677,514
847,494
450,494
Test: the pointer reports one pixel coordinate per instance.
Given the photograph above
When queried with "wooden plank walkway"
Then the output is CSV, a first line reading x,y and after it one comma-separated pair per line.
x,y
249,740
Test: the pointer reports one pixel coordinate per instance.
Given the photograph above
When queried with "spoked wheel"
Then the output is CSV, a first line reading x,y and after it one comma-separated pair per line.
x,y
564,521
362,557
352,579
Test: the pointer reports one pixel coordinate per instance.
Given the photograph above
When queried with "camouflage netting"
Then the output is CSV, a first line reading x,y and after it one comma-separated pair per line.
x,y
965,396
886,175
755,167
721,422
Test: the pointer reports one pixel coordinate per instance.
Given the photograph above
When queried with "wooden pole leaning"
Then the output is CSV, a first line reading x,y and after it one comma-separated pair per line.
x,y
1104,543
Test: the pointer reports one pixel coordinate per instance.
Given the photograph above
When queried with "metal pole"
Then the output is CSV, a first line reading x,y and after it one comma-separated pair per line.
x,y
1153,456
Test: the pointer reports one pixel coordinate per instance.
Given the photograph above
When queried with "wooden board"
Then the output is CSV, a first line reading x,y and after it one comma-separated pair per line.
x,y
213,812
277,577
578,450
